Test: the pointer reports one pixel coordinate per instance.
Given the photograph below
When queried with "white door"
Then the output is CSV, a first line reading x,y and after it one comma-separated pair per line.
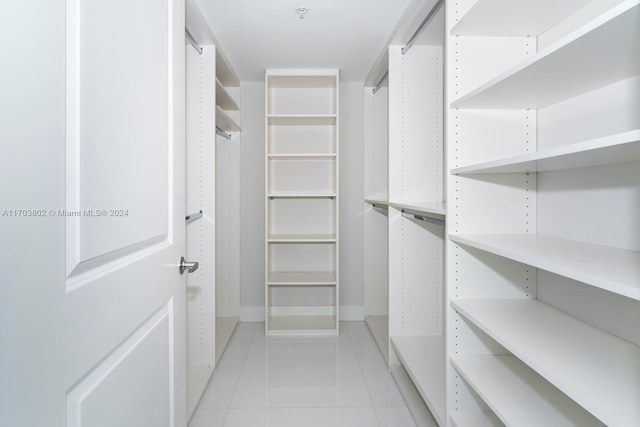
x,y
92,322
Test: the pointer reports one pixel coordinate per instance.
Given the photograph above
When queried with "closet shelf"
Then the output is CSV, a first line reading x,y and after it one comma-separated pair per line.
x,y
475,419
302,156
377,200
300,278
618,148
301,238
423,359
305,325
301,119
224,99
495,18
225,122
519,396
599,53
301,79
434,208
596,369
301,195
614,270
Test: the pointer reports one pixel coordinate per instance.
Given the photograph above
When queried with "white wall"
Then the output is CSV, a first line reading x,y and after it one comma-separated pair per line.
x,y
252,202
252,213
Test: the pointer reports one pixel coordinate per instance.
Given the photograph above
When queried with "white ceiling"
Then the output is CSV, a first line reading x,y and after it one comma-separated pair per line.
x,y
344,34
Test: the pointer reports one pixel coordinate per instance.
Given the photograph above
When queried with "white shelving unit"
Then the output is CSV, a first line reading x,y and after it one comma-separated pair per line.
x,y
543,251
528,400
302,202
619,148
517,17
376,203
528,328
227,204
604,267
404,216
475,419
212,205
423,358
416,186
567,68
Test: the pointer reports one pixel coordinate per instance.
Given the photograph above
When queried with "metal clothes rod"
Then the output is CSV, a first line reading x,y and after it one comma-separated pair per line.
x,y
193,41
381,209
222,133
194,216
424,23
424,218
377,88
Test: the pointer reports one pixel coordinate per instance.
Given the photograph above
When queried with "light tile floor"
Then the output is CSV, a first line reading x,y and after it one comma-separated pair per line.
x,y
341,381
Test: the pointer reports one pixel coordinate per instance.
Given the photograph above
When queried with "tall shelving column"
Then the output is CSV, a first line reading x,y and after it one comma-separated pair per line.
x,y
404,211
200,222
417,218
376,202
212,204
301,154
227,202
543,247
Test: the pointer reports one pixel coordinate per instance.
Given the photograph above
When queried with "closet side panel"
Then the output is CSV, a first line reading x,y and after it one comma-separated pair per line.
x,y
200,196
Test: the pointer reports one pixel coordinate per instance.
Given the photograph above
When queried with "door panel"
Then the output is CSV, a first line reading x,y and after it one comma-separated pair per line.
x,y
118,133
112,396
92,308
124,303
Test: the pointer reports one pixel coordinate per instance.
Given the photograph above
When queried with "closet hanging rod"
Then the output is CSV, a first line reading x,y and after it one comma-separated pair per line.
x,y
193,216
424,23
193,41
381,209
222,133
424,218
377,88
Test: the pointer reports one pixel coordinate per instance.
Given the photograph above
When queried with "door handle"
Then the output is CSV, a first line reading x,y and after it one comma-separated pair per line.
x,y
189,266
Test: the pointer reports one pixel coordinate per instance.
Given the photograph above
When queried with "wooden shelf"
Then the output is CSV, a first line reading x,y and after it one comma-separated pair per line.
x,y
614,270
475,419
301,195
494,18
305,325
302,238
301,119
225,122
599,53
618,148
302,278
519,396
433,208
224,99
423,359
597,370
303,156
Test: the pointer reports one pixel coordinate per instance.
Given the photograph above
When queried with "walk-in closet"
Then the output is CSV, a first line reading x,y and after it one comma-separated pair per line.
x,y
348,213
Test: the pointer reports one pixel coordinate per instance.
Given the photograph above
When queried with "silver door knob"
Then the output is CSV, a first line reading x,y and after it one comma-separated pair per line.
x,y
189,266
